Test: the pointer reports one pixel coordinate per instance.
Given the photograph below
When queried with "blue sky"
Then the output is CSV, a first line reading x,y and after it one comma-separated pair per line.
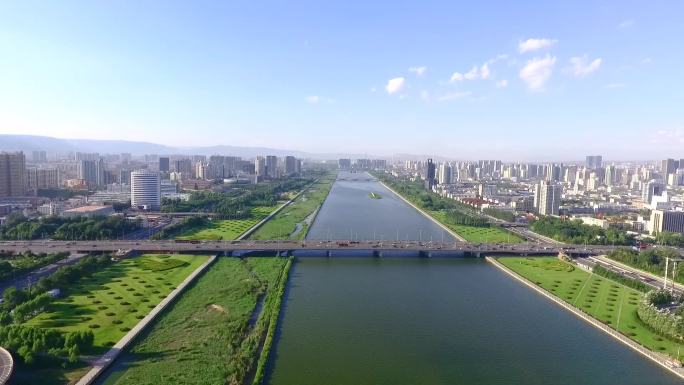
x,y
511,80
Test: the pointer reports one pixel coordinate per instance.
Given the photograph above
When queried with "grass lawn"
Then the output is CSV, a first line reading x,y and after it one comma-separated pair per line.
x,y
291,222
604,299
479,234
112,301
201,339
227,228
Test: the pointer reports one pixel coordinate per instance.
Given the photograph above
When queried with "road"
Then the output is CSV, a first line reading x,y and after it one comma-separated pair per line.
x,y
38,246
643,276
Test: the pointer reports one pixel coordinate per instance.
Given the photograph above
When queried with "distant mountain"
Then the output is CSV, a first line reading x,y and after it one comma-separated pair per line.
x,y
28,143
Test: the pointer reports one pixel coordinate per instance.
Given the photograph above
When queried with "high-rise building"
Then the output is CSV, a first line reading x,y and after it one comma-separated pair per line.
x,y
548,198
290,165
593,161
272,166
164,164
260,166
610,176
444,174
429,174
42,178
12,174
650,189
667,167
146,190
39,156
344,164
184,166
87,170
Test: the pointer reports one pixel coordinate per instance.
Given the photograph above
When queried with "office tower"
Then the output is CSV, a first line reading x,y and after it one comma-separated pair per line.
x,y
164,164
593,161
39,156
146,190
260,167
378,164
650,189
290,165
272,166
429,174
344,164
101,172
609,178
548,198
667,220
12,174
667,167
444,174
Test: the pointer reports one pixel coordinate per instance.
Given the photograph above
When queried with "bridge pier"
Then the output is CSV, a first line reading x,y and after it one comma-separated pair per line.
x,y
328,253
424,254
228,253
377,254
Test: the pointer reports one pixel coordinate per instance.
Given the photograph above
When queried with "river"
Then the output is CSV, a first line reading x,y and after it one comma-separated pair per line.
x,y
393,321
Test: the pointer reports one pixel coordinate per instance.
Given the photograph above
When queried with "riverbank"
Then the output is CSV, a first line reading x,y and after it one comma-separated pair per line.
x,y
294,221
207,336
103,362
658,358
430,217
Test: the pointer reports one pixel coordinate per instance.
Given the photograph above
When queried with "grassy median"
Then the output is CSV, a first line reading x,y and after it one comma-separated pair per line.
x,y
226,229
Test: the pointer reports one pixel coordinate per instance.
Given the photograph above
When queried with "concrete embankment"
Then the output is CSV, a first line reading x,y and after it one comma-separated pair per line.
x,y
658,358
430,217
108,358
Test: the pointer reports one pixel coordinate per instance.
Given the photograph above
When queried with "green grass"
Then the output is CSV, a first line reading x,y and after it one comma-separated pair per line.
x,y
284,224
205,338
228,229
608,301
374,195
112,301
478,234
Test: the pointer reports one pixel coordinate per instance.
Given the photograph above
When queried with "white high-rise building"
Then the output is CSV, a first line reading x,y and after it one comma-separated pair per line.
x,y
260,166
548,198
444,174
146,190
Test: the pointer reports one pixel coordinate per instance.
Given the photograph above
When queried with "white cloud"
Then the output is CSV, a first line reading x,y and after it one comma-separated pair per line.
x,y
419,71
473,74
373,89
484,71
394,85
626,23
502,84
646,60
313,99
673,136
424,95
537,72
456,77
530,45
581,66
453,95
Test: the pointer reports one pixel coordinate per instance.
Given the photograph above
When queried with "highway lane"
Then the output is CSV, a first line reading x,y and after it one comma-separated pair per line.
x,y
32,277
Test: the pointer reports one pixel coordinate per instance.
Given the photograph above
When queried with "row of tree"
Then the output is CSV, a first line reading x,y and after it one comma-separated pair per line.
x,y
28,343
629,282
576,232
236,204
500,214
12,264
187,224
456,212
80,228
660,320
651,260
20,305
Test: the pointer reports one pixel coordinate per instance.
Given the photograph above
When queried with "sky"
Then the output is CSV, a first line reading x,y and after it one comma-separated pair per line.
x,y
523,80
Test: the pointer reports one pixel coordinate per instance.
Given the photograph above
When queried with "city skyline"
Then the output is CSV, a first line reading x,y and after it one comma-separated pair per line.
x,y
437,79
